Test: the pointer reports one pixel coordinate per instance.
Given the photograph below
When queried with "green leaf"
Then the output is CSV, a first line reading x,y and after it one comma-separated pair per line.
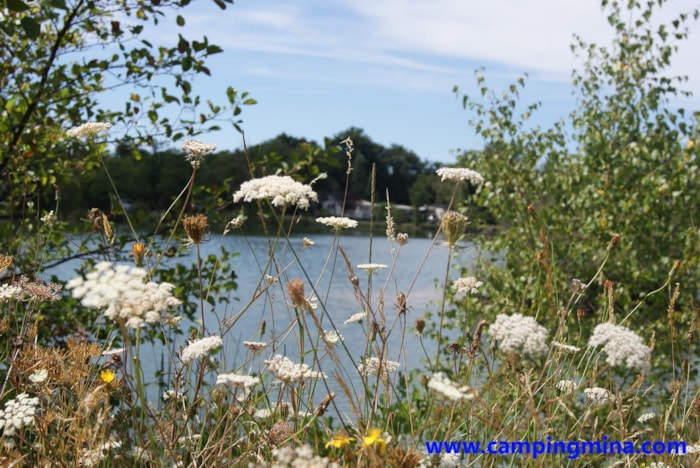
x,y
16,5
31,27
180,20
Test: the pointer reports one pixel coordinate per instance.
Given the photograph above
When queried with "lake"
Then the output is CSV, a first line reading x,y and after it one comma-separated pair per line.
x,y
418,268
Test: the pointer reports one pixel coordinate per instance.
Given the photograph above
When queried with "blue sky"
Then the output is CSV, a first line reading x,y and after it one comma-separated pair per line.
x,y
317,67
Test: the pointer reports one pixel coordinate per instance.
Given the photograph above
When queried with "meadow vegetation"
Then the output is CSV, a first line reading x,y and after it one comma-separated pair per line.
x,y
579,324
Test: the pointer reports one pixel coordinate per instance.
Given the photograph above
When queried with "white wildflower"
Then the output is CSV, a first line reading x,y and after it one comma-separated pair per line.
x,y
237,380
263,413
124,294
49,218
337,222
94,457
112,352
306,242
89,129
622,346
18,413
371,267
567,387
298,457
255,346
646,417
469,285
9,291
331,337
517,333
172,395
446,388
281,190
565,347
373,366
597,395
196,149
692,448
358,317
287,371
235,223
200,348
39,376
459,173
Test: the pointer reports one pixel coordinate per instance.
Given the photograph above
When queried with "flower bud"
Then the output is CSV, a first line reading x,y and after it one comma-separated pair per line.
x,y
453,226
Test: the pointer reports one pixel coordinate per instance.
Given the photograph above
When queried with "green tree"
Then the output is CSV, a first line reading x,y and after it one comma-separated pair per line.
x,y
53,80
631,172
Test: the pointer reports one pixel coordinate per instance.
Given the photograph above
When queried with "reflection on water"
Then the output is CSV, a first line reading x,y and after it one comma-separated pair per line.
x,y
415,270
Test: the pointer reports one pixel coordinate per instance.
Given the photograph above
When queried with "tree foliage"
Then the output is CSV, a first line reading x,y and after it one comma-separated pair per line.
x,y
629,169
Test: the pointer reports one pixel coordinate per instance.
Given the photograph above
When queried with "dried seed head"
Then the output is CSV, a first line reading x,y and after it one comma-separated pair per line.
x,y
420,325
295,288
196,228
402,238
453,225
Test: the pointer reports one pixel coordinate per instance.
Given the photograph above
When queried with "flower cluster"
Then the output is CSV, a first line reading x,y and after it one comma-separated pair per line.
x,y
237,380
89,129
331,337
287,371
597,395
517,333
459,173
9,291
18,413
299,456
281,190
622,345
371,267
200,348
196,149
39,376
358,317
375,366
567,387
645,417
468,285
124,293
446,388
255,346
337,222
565,348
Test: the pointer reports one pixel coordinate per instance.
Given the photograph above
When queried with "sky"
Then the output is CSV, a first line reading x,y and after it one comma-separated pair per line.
x,y
318,67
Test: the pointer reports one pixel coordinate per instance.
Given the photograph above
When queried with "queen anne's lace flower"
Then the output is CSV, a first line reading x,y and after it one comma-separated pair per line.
x,y
38,376
371,267
196,149
9,291
373,366
459,173
199,348
622,345
565,347
255,346
567,387
358,317
597,395
337,222
237,380
332,337
287,371
446,388
517,333
89,129
18,413
124,294
281,190
646,417
467,285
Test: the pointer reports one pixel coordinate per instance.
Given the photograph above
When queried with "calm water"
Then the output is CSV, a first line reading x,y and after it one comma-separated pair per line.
x,y
417,271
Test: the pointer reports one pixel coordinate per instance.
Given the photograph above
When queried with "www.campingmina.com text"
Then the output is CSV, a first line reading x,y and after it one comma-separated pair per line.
x,y
573,449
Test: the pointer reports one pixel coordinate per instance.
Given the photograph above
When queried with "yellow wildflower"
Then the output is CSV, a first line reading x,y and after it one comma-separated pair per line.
x,y
107,375
339,441
372,438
